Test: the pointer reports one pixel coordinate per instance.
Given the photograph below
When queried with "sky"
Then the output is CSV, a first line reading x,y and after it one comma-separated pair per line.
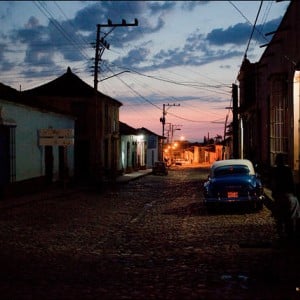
x,y
183,55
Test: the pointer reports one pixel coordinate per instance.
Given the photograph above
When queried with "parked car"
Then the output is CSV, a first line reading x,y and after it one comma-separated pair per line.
x,y
160,167
180,161
233,181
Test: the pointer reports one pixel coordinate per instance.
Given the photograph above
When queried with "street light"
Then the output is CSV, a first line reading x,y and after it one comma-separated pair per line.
x,y
173,129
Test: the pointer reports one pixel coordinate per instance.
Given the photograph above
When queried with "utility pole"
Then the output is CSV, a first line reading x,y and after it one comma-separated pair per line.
x,y
163,121
98,141
235,121
101,44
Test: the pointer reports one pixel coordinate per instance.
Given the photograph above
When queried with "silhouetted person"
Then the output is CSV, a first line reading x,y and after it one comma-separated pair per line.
x,y
286,210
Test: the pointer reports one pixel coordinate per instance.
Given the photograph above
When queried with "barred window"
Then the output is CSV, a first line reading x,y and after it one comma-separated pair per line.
x,y
278,120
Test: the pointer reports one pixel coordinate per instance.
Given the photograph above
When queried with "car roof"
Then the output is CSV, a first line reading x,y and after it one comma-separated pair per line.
x,y
233,162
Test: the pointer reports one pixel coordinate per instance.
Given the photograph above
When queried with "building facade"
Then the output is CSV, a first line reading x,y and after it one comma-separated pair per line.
x,y
96,127
139,148
128,148
149,144
269,96
26,157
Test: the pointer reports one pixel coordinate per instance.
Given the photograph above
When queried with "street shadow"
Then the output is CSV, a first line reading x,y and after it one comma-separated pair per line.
x,y
232,210
269,203
193,209
199,209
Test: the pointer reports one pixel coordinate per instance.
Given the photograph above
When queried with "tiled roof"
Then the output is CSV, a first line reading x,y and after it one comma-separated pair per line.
x,y
126,129
147,131
67,85
10,94
7,92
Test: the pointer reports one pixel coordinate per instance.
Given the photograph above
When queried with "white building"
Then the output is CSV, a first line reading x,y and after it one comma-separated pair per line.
x,y
32,148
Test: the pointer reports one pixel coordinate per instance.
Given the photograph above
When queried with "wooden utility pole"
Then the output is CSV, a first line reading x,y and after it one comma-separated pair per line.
x,y
100,152
163,121
235,121
101,44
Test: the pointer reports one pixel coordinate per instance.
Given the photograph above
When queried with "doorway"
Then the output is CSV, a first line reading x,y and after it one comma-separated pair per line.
x,y
4,155
49,164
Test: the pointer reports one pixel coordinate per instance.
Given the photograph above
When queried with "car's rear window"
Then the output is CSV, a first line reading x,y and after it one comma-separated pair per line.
x,y
231,170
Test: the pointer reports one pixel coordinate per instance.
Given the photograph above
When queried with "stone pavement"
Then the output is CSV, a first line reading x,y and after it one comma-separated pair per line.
x,y
54,191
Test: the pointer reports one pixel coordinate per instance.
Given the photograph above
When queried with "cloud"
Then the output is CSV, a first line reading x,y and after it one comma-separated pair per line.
x,y
161,7
33,22
6,10
33,72
99,13
199,49
44,43
191,5
141,60
5,64
134,58
196,51
239,34
39,50
70,39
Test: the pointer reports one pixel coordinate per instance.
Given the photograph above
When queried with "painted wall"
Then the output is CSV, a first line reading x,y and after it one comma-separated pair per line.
x,y
152,150
29,155
128,150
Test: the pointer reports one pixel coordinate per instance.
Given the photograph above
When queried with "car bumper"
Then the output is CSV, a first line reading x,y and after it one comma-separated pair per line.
x,y
220,200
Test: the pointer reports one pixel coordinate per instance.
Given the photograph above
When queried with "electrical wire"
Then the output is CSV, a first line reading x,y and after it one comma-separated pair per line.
x,y
192,85
248,21
46,12
158,107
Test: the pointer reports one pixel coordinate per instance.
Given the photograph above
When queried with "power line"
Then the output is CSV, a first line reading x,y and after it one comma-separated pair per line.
x,y
192,85
137,93
101,45
253,28
248,21
45,11
151,102
158,107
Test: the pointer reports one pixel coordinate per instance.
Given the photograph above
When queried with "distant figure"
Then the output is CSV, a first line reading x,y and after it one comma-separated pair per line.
x,y
286,209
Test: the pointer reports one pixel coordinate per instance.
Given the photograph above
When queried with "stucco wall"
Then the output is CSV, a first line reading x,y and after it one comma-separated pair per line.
x,y
152,150
29,155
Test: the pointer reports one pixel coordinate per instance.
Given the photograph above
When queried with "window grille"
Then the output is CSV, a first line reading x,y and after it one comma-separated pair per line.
x,y
278,121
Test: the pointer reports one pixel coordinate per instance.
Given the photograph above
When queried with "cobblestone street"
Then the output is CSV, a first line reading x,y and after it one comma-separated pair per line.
x,y
148,239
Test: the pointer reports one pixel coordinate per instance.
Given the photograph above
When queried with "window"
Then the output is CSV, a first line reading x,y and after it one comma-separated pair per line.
x,y
278,119
231,170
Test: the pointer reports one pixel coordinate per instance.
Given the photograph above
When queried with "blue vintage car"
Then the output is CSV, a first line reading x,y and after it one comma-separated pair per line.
x,y
233,181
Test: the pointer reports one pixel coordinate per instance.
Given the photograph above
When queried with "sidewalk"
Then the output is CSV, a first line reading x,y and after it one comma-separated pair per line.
x,y
131,176
54,191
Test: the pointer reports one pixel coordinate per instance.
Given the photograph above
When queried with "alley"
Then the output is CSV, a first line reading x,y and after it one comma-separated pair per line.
x,y
148,239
